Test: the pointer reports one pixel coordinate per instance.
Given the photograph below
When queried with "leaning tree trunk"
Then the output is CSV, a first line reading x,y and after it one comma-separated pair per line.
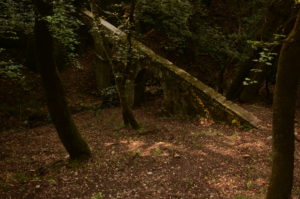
x,y
56,101
281,180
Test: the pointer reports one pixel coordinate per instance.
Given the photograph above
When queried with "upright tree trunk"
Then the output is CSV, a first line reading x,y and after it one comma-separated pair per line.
x,y
103,69
122,81
281,180
128,116
56,101
140,87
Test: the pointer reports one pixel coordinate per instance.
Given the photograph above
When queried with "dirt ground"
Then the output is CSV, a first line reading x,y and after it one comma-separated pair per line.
x,y
169,158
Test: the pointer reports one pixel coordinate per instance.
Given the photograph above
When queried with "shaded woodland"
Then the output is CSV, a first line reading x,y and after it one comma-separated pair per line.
x,y
149,99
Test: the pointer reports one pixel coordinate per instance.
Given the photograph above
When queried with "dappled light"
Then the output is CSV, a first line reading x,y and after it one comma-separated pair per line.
x,y
149,99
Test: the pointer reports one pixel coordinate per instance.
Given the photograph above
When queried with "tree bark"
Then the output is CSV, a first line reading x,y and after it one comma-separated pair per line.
x,y
128,116
140,87
121,81
56,101
103,69
281,180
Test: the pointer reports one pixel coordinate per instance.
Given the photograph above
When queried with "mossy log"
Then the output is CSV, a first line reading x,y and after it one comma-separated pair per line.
x,y
183,93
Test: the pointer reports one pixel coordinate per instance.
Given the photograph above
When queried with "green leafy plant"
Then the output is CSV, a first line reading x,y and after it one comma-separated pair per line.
x,y
240,197
120,54
248,81
266,56
156,152
17,22
11,70
249,184
52,181
21,177
16,17
110,97
97,196
63,26
210,40
168,18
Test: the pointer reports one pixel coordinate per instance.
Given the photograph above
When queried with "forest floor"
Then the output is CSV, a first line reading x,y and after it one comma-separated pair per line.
x,y
168,158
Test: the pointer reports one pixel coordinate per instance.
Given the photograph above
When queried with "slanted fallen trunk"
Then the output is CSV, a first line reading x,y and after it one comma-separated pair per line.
x,y
183,93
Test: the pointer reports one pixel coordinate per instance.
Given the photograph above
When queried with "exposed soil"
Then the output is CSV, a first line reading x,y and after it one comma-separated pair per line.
x,y
168,158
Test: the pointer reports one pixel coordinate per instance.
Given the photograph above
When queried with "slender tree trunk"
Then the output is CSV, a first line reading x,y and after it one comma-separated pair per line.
x,y
121,78
103,69
128,116
281,180
139,90
56,101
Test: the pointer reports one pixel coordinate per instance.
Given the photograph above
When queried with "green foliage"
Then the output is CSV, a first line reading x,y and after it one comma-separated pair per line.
x,y
209,39
16,17
121,54
168,17
266,55
110,97
224,41
248,81
97,196
251,14
240,197
21,177
9,69
249,184
63,26
17,21
122,51
156,152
